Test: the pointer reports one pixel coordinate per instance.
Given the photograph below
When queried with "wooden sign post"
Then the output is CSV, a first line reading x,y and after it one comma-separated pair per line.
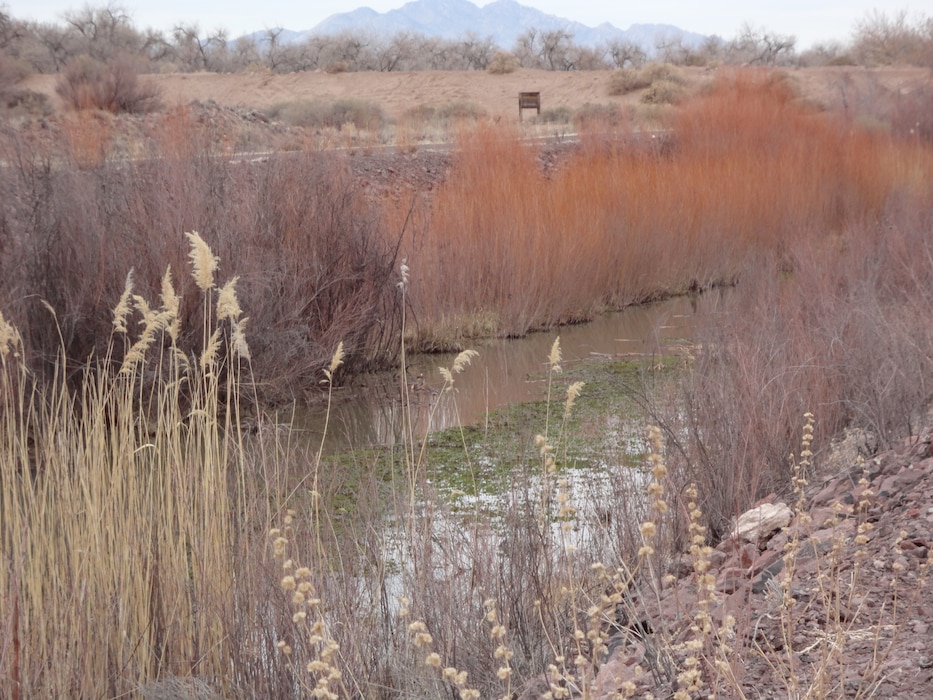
x,y
528,100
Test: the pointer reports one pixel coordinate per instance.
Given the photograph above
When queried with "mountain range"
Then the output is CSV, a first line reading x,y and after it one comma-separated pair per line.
x,y
503,20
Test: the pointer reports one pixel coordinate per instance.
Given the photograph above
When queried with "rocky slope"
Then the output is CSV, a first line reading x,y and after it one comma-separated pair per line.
x,y
835,603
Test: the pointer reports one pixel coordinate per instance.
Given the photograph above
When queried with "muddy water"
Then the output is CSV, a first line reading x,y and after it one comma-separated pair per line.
x,y
506,371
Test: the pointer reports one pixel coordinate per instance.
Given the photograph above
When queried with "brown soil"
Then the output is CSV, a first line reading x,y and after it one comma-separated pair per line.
x,y
496,95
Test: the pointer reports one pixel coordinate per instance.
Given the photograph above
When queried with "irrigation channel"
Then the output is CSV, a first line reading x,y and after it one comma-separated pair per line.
x,y
505,372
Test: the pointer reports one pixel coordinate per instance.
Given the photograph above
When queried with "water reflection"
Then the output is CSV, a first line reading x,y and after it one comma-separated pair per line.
x,y
506,371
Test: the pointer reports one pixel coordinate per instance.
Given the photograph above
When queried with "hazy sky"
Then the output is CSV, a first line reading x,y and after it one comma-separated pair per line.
x,y
809,20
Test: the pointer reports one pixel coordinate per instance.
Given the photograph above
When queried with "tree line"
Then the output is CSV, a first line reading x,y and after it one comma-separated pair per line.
x,y
107,34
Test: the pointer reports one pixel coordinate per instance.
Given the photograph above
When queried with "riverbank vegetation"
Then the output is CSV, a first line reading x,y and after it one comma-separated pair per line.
x,y
137,507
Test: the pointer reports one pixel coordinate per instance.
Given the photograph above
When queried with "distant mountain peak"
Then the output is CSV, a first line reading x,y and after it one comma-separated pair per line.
x,y
503,20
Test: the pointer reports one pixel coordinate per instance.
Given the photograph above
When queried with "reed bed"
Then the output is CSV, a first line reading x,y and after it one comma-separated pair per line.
x,y
746,168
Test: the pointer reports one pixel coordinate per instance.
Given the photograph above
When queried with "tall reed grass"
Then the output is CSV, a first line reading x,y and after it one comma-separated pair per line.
x,y
746,169
126,509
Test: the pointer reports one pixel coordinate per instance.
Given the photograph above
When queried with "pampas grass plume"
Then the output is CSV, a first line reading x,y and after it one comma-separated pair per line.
x,y
210,351
170,303
227,304
335,362
239,338
123,308
555,356
573,392
460,363
9,337
202,260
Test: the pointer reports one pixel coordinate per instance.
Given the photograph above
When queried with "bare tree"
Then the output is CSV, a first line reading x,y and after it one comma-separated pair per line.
x,y
353,50
103,32
156,47
11,31
587,57
673,49
476,51
626,54
552,49
832,53
556,49
398,52
758,46
245,53
57,48
526,48
273,49
883,40
197,52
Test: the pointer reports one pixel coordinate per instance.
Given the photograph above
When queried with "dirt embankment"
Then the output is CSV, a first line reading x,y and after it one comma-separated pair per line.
x,y
496,95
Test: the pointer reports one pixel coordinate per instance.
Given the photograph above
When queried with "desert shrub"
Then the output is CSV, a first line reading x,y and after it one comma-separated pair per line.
x,y
843,326
26,102
911,114
844,59
655,72
320,114
444,116
555,115
87,83
503,62
625,80
459,111
337,67
663,92
602,116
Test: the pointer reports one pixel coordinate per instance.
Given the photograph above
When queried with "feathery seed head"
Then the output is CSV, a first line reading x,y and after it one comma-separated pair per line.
x,y
573,392
149,316
170,302
202,260
463,360
227,304
555,357
122,309
209,355
335,362
240,347
403,273
9,338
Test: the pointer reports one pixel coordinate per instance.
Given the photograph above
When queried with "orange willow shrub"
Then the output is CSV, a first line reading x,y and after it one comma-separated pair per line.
x,y
748,167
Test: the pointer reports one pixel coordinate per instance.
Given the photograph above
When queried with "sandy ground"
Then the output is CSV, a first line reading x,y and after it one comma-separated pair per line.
x,y
497,95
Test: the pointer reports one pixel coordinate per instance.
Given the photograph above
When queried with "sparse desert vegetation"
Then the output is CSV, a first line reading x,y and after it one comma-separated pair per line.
x,y
156,504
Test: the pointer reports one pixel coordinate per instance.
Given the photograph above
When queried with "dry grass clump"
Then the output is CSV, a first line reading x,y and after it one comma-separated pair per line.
x,y
115,86
117,523
663,92
602,117
336,114
434,123
502,63
155,498
623,81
